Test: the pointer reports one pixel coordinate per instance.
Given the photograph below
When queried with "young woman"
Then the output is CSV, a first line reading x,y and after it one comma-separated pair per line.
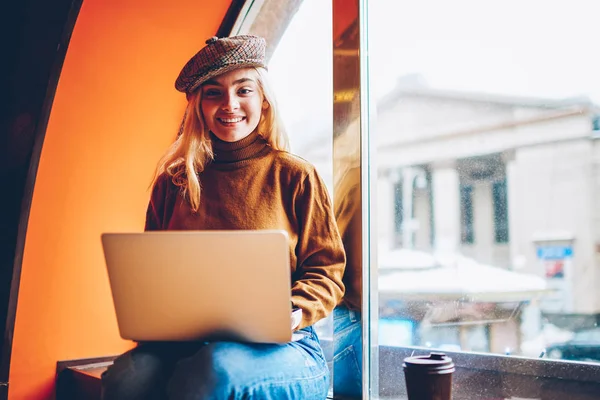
x,y
229,169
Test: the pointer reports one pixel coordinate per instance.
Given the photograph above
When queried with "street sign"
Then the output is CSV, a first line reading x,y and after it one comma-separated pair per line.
x,y
554,252
554,259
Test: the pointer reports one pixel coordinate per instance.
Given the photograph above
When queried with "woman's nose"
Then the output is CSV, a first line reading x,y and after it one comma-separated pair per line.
x,y
230,103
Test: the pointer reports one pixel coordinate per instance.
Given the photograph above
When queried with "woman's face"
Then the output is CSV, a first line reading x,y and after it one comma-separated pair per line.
x,y
231,104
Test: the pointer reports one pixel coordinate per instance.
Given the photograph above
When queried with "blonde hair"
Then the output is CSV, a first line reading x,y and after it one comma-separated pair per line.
x,y
191,152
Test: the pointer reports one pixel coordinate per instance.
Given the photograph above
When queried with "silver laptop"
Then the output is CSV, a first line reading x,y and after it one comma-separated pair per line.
x,y
207,285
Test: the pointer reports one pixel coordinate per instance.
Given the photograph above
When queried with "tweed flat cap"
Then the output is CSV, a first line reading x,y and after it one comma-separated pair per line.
x,y
218,56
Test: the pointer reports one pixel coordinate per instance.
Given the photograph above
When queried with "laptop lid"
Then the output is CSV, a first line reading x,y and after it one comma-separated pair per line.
x,y
208,285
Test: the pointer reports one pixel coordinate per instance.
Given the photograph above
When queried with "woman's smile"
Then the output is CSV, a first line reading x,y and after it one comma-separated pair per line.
x,y
230,121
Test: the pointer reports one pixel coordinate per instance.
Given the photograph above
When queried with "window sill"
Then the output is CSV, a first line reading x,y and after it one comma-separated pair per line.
x,y
487,376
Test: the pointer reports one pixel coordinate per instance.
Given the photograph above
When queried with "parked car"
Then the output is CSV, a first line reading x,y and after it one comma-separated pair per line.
x,y
583,346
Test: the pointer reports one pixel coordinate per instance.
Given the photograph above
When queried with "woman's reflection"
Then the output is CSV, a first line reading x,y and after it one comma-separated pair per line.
x,y
347,375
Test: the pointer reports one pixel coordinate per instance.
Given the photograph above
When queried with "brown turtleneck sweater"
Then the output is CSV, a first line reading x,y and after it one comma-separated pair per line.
x,y
249,185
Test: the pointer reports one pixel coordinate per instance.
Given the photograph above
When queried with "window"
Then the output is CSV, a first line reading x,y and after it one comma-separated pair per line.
x,y
466,214
492,115
500,211
596,123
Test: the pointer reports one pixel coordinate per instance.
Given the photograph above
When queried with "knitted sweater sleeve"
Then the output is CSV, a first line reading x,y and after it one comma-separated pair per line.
x,y
160,205
317,286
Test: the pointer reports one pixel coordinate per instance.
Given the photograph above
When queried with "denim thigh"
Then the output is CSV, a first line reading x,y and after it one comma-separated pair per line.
x,y
143,372
231,370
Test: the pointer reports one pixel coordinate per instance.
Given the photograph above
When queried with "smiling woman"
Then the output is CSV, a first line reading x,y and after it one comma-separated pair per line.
x,y
532,194
229,147
228,98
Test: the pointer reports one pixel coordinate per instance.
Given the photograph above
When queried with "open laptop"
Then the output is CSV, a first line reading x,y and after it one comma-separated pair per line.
x,y
207,285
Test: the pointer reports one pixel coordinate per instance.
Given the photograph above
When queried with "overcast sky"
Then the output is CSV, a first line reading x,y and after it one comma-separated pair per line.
x,y
542,48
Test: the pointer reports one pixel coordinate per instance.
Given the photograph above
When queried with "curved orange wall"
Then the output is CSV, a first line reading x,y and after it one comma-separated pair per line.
x,y
114,113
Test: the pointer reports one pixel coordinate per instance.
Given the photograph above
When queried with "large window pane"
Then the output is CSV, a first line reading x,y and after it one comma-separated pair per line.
x,y
486,166
488,175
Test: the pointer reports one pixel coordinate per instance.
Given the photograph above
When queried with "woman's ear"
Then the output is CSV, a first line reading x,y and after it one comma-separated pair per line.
x,y
265,105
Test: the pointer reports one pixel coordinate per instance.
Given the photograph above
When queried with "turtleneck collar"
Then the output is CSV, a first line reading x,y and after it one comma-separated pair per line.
x,y
242,150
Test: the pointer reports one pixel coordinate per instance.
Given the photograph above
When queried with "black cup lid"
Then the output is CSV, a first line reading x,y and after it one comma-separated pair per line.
x,y
437,361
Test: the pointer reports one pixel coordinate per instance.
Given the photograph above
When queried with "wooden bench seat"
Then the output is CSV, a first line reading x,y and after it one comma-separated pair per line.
x,y
80,379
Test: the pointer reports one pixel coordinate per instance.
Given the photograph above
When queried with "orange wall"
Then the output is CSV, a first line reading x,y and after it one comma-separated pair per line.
x,y
114,114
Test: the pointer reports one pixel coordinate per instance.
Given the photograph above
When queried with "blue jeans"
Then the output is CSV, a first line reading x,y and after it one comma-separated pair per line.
x,y
347,353
219,370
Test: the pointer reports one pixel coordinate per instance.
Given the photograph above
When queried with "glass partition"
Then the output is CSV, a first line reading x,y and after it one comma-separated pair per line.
x,y
487,178
476,126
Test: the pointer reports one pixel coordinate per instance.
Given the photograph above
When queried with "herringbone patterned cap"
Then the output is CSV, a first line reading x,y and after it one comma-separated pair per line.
x,y
221,55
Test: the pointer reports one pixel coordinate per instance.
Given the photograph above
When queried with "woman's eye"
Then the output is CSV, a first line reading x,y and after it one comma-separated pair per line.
x,y
245,91
211,92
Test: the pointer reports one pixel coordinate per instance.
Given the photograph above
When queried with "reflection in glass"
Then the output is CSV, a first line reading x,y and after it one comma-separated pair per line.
x,y
348,187
303,76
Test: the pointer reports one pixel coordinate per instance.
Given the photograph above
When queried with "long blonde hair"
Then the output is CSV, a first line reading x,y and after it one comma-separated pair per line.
x,y
187,157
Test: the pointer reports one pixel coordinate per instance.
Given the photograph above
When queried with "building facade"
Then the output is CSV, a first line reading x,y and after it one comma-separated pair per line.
x,y
511,182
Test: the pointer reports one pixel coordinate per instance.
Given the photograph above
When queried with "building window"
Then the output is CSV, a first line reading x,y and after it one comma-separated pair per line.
x,y
500,211
466,214
596,123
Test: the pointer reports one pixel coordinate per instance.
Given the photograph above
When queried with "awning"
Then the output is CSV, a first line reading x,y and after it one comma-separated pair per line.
x,y
415,275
